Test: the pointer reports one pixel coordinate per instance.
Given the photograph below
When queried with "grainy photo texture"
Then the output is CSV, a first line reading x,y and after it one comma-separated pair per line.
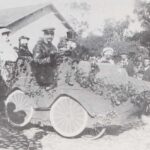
x,y
74,75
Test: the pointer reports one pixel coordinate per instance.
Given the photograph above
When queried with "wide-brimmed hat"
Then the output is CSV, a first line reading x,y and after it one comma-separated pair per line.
x,y
5,31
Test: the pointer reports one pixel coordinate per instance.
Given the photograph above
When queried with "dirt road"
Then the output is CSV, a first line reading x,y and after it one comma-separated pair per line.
x,y
135,139
34,138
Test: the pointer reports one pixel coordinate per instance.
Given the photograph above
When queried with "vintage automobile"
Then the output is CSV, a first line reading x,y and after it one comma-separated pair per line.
x,y
102,94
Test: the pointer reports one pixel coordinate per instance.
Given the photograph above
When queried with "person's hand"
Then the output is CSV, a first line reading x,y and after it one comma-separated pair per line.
x,y
16,49
53,52
45,61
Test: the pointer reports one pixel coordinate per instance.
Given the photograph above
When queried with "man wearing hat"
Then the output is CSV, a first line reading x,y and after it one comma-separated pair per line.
x,y
5,34
68,45
8,55
44,71
23,47
107,55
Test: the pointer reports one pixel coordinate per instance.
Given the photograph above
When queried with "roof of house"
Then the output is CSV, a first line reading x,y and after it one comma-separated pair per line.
x,y
11,15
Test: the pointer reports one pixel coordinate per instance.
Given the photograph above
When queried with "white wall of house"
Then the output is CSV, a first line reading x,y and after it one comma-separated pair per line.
x,y
33,30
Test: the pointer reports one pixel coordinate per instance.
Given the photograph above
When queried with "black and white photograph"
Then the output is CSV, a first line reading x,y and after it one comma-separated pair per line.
x,y
74,74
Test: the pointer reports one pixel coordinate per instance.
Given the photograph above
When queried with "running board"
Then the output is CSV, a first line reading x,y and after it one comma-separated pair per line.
x,y
42,109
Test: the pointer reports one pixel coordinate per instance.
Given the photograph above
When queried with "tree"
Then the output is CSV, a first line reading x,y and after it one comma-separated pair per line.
x,y
79,16
114,30
93,43
125,46
142,9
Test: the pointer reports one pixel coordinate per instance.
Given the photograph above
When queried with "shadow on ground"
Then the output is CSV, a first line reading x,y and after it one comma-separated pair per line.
x,y
14,139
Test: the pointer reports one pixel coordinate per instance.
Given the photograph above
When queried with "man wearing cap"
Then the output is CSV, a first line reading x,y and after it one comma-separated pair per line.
x,y
107,55
44,71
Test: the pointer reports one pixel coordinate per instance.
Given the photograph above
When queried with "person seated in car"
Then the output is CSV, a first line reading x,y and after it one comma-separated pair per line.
x,y
23,50
25,57
44,67
107,56
68,46
67,43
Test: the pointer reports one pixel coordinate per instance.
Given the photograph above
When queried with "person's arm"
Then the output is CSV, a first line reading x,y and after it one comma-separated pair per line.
x,y
37,55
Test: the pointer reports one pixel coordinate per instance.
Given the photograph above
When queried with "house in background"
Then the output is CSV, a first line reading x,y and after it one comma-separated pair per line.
x,y
30,20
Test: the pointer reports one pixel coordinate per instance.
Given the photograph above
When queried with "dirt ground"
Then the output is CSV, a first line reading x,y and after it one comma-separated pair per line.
x,y
134,139
34,138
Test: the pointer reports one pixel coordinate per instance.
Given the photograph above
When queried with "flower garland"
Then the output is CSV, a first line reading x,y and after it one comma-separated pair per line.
x,y
118,94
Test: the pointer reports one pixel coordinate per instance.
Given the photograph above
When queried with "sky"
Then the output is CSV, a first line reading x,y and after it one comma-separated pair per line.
x,y
100,10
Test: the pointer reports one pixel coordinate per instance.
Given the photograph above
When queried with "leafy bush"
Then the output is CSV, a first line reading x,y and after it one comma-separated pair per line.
x,y
124,47
117,94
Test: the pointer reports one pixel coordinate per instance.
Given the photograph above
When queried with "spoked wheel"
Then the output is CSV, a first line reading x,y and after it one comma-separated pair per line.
x,y
94,133
19,110
68,117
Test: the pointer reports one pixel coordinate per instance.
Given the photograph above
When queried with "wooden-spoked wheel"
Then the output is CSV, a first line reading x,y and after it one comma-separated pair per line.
x,y
68,117
19,110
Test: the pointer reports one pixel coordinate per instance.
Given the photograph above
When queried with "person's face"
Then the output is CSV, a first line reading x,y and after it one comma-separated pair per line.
x,y
84,57
48,37
108,55
5,37
24,42
124,59
146,62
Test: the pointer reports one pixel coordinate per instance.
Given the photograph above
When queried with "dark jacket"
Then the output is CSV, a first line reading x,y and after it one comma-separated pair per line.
x,y
42,51
146,75
42,63
130,69
24,51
